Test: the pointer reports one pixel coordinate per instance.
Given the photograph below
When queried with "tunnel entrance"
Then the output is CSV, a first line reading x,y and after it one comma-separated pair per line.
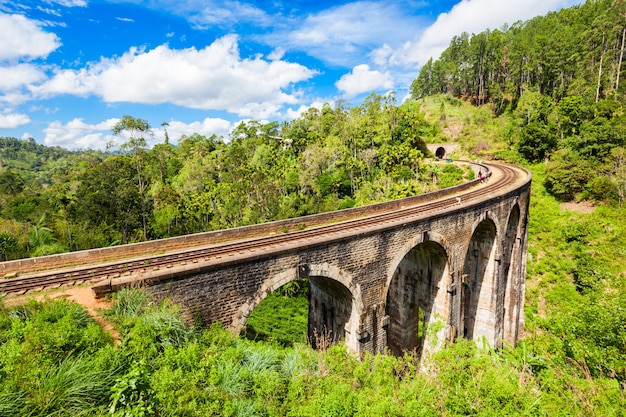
x,y
440,153
478,289
417,301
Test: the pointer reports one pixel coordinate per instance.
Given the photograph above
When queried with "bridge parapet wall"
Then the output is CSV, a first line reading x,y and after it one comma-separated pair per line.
x,y
64,260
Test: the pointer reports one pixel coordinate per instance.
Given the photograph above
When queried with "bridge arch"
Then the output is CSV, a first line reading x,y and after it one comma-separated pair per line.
x,y
478,300
417,302
335,302
335,306
508,271
427,236
268,287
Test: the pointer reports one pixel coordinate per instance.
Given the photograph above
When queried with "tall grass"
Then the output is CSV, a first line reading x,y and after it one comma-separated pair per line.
x,y
12,403
74,387
130,302
168,325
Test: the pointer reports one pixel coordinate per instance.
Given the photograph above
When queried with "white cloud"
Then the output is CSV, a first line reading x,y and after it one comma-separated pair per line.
x,y
23,38
13,120
277,54
52,12
14,98
71,3
380,56
17,76
472,16
76,134
363,80
221,13
213,78
295,114
343,35
207,127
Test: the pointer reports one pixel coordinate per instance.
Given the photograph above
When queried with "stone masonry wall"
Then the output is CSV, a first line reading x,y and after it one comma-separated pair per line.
x,y
365,265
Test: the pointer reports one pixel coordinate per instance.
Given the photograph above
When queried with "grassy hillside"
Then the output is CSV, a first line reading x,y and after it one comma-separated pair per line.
x,y
479,134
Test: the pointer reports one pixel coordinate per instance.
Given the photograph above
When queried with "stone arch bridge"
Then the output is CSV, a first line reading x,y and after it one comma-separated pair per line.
x,y
402,275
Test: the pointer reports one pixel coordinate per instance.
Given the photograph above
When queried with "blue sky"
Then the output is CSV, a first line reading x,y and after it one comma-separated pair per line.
x,y
69,69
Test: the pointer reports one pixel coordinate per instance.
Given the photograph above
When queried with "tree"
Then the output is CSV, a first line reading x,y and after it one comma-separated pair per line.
x,y
567,175
109,198
571,115
135,129
425,84
11,183
617,173
533,107
164,125
41,240
536,141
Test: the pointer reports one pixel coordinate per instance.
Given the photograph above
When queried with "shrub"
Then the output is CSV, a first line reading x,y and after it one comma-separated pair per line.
x,y
567,175
132,394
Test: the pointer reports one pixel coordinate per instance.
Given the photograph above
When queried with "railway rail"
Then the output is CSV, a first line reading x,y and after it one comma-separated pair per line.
x,y
504,177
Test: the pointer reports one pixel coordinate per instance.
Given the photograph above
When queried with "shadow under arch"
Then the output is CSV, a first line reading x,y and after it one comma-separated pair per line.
x,y
417,299
334,301
508,270
478,295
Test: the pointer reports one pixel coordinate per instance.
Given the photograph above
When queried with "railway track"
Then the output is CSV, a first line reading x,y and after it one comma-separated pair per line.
x,y
506,177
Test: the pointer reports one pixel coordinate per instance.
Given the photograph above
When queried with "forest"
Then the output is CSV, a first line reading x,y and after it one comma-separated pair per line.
x,y
53,200
545,94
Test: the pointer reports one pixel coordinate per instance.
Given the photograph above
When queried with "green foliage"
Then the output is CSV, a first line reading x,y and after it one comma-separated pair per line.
x,y
533,107
450,175
130,303
132,395
109,198
9,246
72,387
568,175
568,52
214,373
571,114
48,356
11,183
536,142
282,316
578,332
149,328
589,272
327,159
